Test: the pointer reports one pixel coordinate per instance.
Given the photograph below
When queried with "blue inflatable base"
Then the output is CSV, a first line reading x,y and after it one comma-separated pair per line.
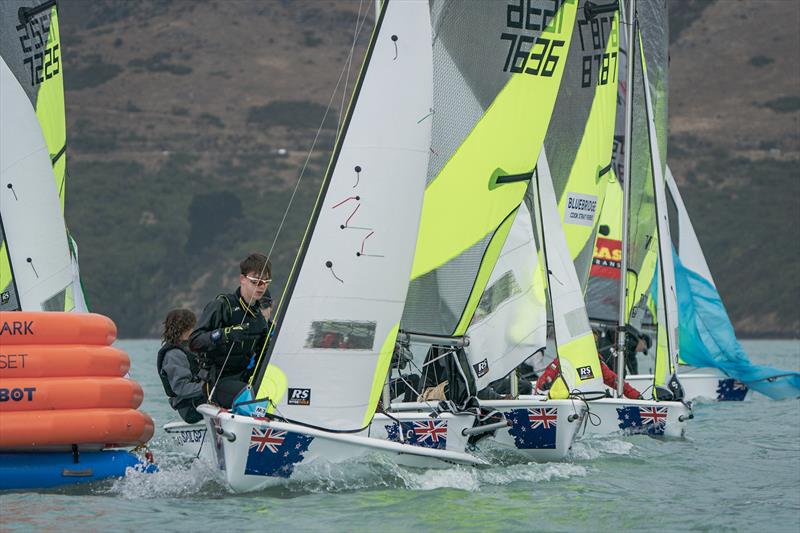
x,y
44,470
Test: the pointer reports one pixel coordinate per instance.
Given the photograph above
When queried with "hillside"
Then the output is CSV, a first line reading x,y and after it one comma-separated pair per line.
x,y
190,122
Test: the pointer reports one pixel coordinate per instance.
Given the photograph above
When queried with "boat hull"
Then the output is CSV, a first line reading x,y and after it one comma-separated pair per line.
x,y
256,453
706,383
608,416
191,439
537,429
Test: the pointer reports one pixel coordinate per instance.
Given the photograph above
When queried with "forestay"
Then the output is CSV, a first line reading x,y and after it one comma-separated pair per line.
x,y
340,314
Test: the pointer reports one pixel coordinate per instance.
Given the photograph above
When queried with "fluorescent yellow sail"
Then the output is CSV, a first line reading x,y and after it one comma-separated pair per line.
x,y
483,183
589,173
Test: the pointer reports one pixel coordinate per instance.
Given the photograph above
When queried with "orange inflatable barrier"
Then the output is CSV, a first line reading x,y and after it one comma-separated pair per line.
x,y
28,327
38,394
62,361
88,428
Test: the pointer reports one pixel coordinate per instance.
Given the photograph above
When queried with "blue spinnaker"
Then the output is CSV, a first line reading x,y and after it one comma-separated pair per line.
x,y
706,338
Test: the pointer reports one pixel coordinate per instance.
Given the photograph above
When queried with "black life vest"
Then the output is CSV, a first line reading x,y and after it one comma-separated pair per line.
x,y
194,367
235,312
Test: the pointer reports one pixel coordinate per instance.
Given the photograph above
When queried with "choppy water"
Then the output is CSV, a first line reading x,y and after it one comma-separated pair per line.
x,y
738,469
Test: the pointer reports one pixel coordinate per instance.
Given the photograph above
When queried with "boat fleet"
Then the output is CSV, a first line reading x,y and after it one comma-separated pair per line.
x,y
490,152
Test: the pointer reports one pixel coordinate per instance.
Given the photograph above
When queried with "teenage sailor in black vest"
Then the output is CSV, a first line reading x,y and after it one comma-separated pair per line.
x,y
178,367
232,331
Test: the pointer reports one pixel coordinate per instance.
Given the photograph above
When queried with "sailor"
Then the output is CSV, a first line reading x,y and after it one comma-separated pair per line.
x,y
552,371
177,366
635,342
232,332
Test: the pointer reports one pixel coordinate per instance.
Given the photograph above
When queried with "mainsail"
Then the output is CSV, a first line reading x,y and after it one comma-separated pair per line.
x,y
341,311
31,49
505,65
580,137
707,338
585,104
576,182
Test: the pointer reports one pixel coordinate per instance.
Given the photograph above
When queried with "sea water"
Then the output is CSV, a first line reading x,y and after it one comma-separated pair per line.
x,y
737,469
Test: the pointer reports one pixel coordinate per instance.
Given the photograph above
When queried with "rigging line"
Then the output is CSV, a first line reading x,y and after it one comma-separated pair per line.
x,y
291,198
349,64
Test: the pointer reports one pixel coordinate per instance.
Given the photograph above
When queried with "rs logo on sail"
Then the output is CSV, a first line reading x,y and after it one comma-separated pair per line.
x,y
17,327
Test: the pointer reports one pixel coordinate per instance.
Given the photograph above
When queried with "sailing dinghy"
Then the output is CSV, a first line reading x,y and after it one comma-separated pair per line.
x,y
314,401
476,299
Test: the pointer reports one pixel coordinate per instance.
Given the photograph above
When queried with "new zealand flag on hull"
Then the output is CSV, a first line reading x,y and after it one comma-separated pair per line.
x,y
731,390
426,433
533,429
274,453
639,419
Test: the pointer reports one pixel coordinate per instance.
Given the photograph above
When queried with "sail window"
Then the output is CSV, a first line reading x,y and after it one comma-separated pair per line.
x,y
56,302
341,335
498,292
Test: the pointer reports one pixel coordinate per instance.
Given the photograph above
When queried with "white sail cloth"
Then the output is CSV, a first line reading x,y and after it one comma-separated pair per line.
x,y
29,205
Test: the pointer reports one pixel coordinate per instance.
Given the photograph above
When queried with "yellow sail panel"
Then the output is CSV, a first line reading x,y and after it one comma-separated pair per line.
x,y
587,178
487,265
381,371
5,269
468,200
50,105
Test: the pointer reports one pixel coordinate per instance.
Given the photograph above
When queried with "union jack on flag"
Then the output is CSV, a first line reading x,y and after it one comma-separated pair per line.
x,y
266,438
546,417
430,429
653,415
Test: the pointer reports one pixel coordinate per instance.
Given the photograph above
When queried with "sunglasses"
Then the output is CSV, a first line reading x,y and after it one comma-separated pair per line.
x,y
258,282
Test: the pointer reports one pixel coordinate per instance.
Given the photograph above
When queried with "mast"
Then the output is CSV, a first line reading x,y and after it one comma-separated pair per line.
x,y
630,20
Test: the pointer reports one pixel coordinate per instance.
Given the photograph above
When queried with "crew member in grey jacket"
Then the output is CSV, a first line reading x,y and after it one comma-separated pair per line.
x,y
178,367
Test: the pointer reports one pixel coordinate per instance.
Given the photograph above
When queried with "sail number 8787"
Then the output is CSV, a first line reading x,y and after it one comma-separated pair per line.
x,y
540,51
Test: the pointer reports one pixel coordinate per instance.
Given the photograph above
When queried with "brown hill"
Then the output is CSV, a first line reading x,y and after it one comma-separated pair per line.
x,y
190,122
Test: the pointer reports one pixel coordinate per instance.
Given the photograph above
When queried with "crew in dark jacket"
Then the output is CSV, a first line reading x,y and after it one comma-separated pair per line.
x,y
178,367
232,332
635,342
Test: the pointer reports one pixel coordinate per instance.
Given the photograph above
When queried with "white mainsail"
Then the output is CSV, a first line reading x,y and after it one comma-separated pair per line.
x,y
33,225
329,360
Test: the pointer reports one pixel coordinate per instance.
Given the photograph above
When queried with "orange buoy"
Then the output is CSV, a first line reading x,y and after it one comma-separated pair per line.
x,y
38,394
88,428
55,360
29,327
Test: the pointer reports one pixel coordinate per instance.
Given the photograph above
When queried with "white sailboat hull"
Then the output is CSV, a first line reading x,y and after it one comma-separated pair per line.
x,y
256,453
607,416
707,383
538,429
190,439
